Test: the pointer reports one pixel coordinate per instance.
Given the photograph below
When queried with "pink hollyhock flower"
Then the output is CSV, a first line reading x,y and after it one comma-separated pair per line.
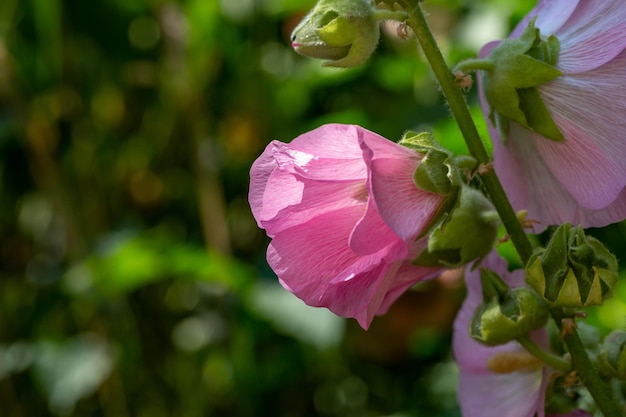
x,y
580,180
343,213
501,381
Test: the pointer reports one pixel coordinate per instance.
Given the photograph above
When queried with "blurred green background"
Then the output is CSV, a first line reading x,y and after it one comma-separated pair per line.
x,y
133,279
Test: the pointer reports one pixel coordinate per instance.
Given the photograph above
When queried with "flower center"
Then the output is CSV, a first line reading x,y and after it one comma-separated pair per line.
x,y
360,193
507,362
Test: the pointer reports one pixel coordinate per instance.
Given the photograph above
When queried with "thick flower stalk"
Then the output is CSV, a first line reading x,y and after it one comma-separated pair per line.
x,y
504,380
344,214
575,169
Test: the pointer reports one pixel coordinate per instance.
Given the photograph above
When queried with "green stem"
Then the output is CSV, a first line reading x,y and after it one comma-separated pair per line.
x,y
458,106
382,14
545,357
588,373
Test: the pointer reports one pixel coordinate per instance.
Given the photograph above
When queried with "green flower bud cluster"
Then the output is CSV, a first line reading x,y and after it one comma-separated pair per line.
x,y
573,270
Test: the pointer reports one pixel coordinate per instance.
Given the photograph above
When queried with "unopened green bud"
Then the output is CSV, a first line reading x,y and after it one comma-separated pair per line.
x,y
342,32
436,172
573,270
612,357
466,234
506,314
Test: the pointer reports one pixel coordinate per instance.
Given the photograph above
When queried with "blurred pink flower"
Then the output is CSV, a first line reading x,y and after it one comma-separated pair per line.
x,y
501,381
518,391
343,213
582,179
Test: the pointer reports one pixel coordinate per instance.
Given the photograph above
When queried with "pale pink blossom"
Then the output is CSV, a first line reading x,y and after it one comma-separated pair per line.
x,y
582,179
481,391
505,380
343,212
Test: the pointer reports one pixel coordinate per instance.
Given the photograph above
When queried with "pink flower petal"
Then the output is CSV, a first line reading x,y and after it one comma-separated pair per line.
x,y
333,179
361,239
330,141
310,255
407,209
582,180
407,275
366,295
260,173
551,16
581,166
314,261
531,186
482,392
361,295
592,151
315,198
500,395
592,36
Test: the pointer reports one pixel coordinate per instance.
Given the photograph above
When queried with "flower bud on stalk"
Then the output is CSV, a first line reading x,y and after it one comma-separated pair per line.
x,y
506,314
573,270
343,32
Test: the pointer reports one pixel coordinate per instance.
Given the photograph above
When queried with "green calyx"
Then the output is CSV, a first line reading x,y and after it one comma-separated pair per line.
x,y
513,71
573,270
467,233
506,314
342,32
466,226
437,172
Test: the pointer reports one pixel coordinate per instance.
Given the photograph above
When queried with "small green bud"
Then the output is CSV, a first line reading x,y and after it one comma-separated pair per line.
x,y
506,314
612,357
342,32
436,172
466,234
513,71
573,270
